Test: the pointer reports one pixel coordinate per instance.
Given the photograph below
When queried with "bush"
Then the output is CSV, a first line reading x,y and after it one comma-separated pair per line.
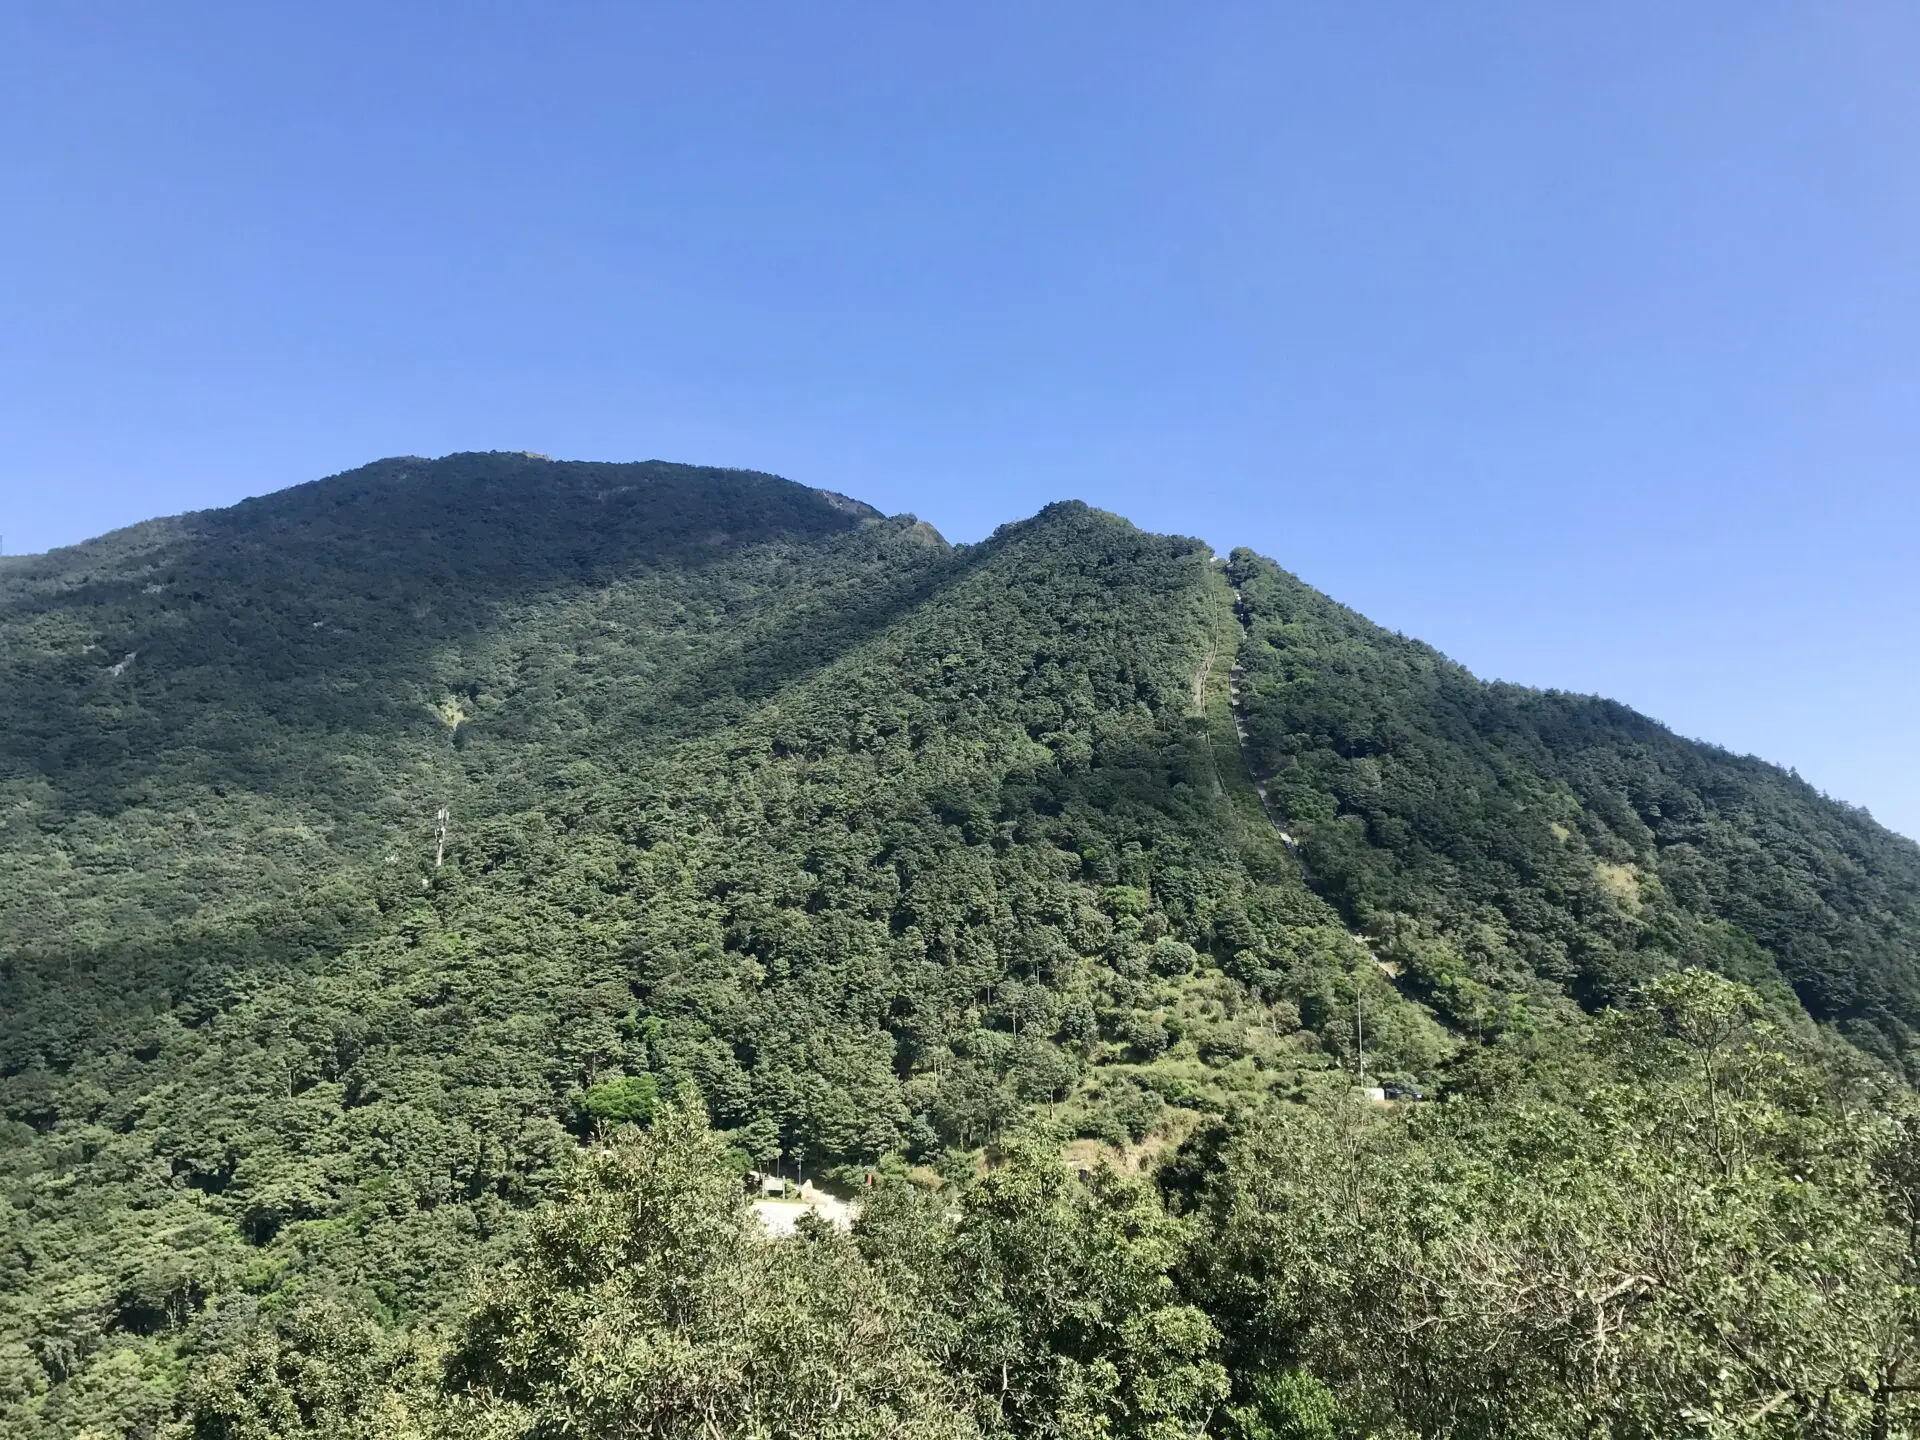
x,y
627,1100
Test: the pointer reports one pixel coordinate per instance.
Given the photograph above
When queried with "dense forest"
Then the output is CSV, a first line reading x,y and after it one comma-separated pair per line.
x,y
424,893
1490,835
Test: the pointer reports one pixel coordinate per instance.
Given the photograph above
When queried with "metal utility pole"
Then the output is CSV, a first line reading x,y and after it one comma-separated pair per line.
x,y
440,837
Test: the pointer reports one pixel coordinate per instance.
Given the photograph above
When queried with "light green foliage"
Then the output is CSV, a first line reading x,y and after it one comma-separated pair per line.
x,y
315,1368
1290,1405
628,1100
1055,1300
646,1301
1587,1266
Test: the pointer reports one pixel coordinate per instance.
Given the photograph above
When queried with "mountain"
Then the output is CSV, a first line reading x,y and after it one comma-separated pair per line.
x,y
370,846
1507,836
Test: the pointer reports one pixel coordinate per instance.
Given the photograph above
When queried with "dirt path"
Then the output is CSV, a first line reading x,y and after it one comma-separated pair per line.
x,y
782,1217
1234,678
1200,680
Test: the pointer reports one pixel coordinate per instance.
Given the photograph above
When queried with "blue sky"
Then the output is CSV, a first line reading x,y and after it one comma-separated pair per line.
x,y
1581,341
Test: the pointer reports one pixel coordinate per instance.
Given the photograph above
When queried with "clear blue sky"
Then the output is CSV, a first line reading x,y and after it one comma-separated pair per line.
x,y
1582,341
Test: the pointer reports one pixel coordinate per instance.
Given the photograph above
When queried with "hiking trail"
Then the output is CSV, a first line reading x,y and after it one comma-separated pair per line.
x,y
1234,678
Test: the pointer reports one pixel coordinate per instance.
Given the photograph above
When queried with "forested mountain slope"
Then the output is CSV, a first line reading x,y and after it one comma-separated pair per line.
x,y
876,843
370,846
1490,835
223,706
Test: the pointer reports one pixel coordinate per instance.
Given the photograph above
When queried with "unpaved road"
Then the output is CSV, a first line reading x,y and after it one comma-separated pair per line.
x,y
781,1217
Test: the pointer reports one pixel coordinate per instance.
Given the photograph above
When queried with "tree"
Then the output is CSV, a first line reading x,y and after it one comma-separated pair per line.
x,y
1054,1300
1706,1014
318,1369
626,1100
1578,1266
648,1302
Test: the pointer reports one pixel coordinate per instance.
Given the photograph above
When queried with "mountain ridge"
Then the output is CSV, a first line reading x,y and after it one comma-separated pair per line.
x,y
447,806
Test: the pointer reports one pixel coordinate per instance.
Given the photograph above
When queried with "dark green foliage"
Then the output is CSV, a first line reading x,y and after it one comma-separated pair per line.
x,y
1491,837
876,848
870,841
